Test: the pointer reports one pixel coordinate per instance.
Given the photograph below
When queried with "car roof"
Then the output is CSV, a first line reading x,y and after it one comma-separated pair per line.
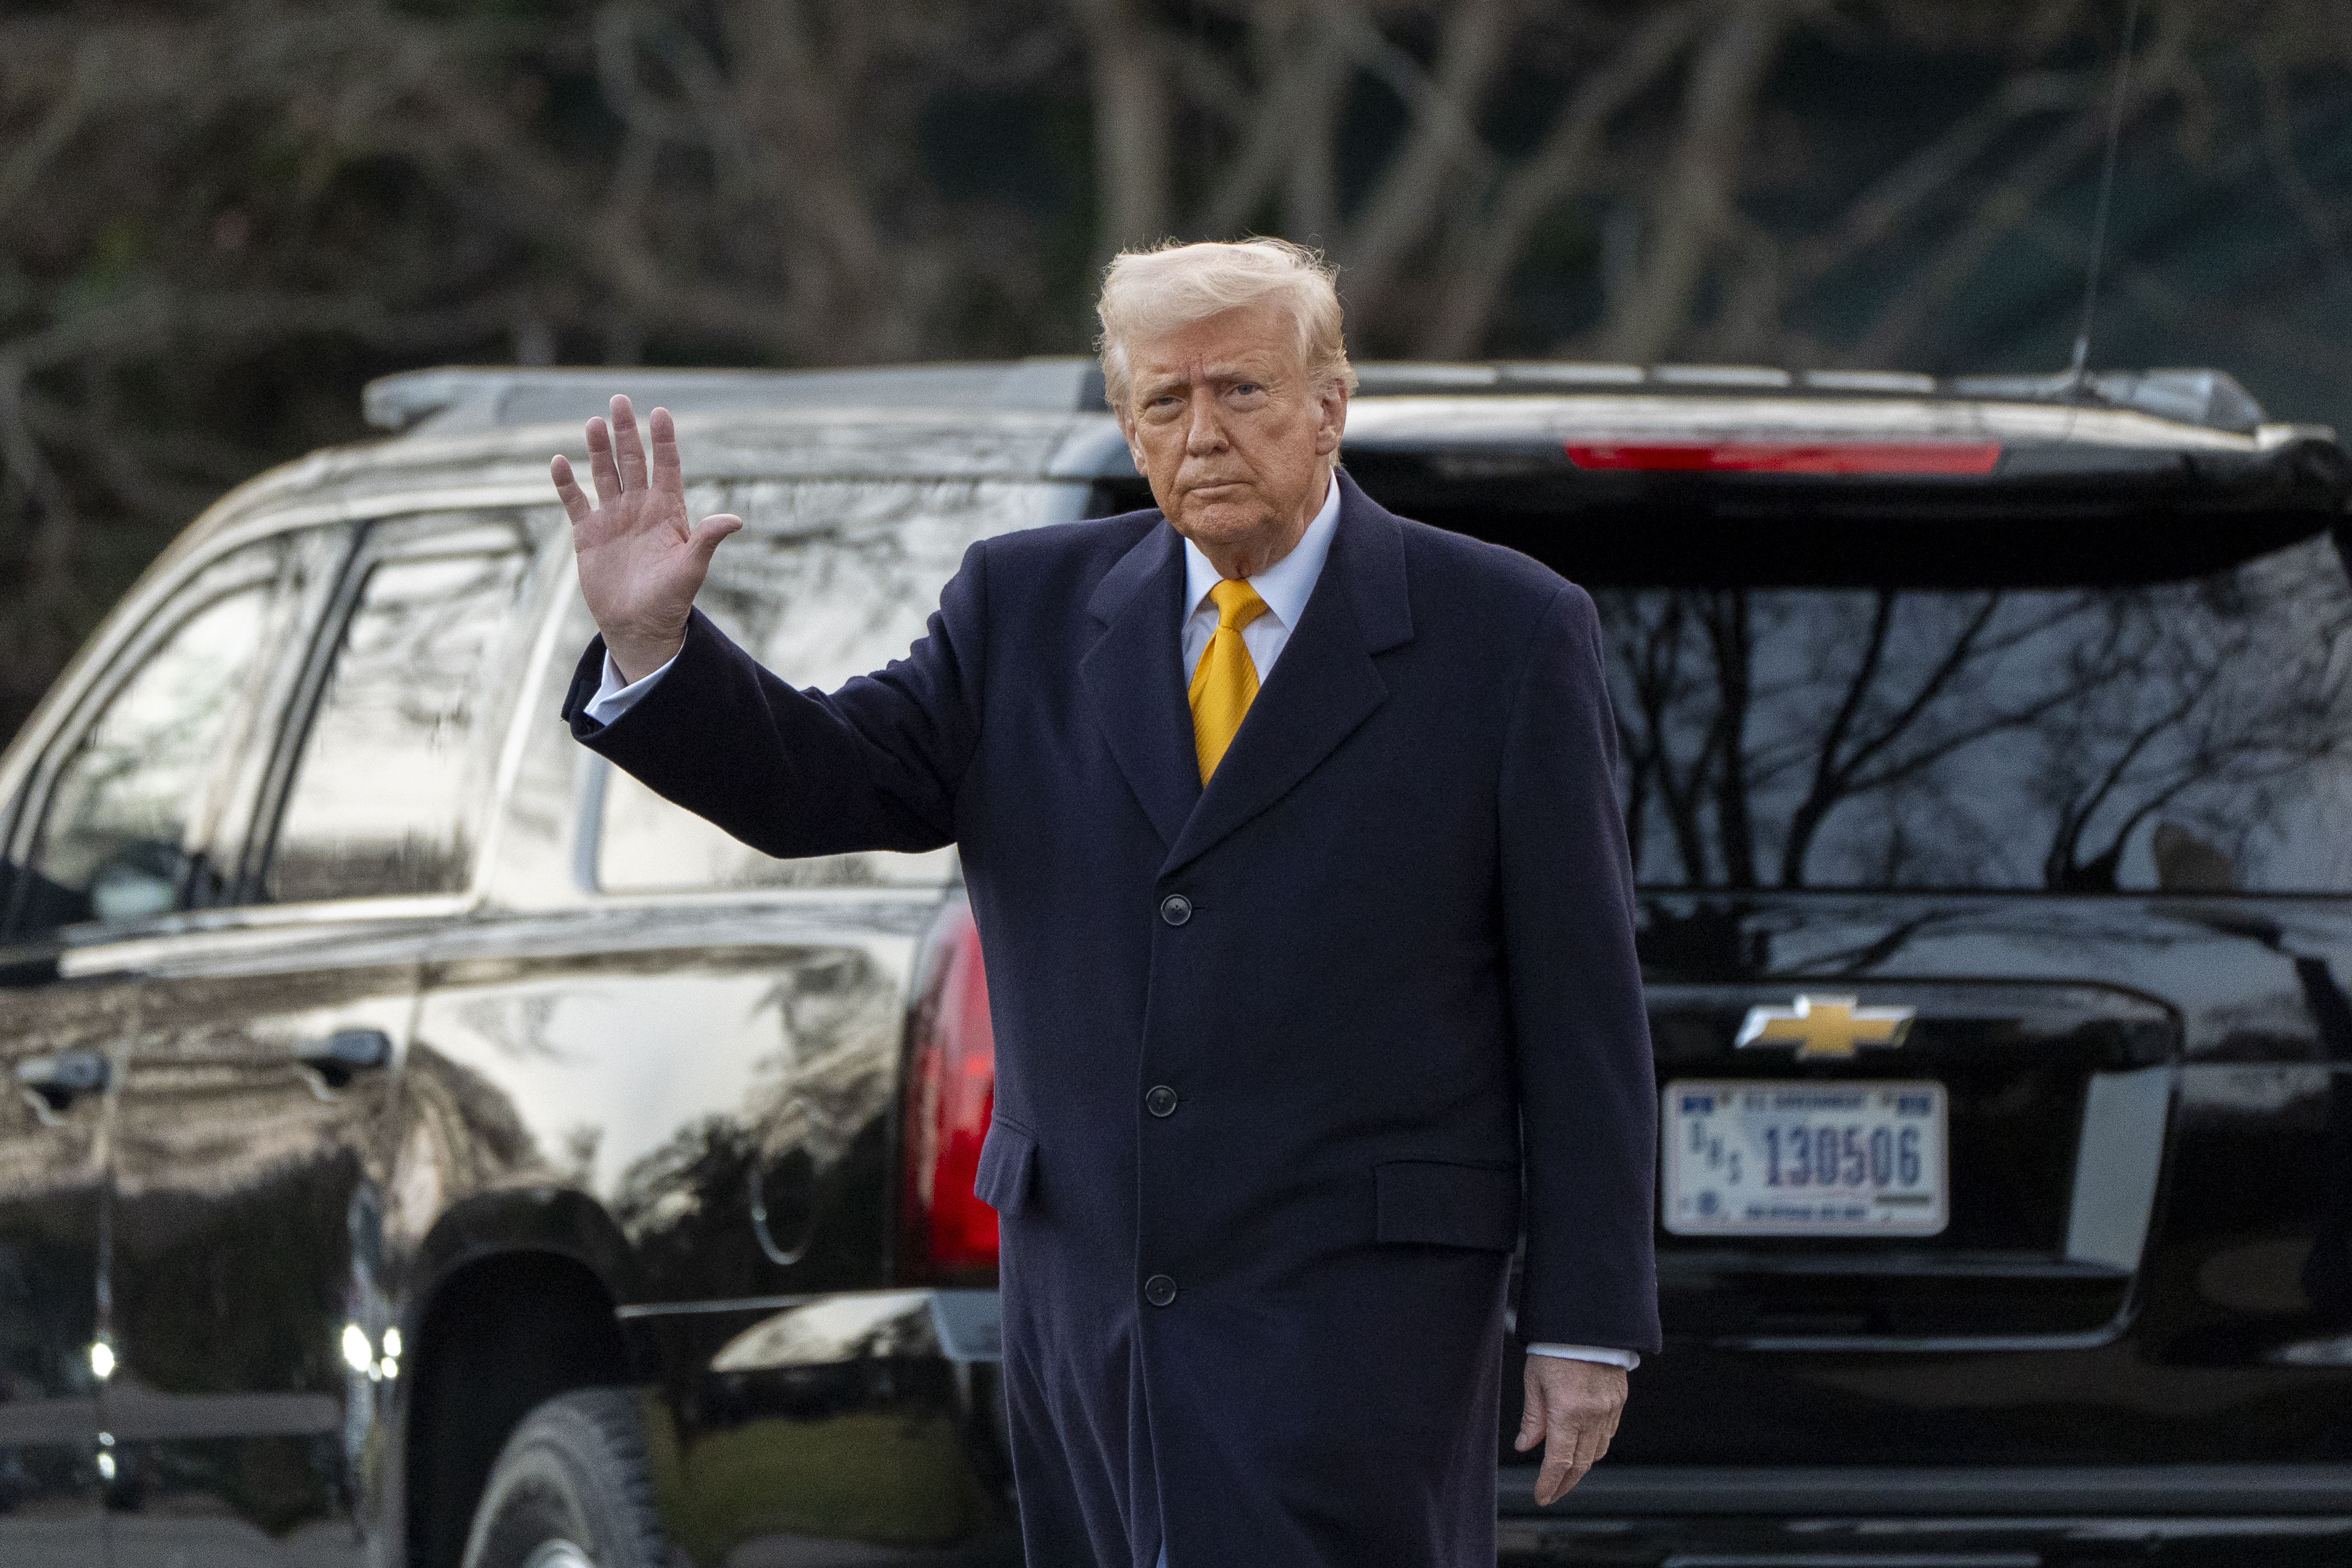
x,y
473,436
458,397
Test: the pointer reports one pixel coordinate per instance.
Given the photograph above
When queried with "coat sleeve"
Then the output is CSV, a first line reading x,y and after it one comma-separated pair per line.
x,y
792,772
1588,1098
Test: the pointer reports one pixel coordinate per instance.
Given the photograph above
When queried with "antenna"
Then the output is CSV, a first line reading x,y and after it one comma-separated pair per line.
x,y
2078,378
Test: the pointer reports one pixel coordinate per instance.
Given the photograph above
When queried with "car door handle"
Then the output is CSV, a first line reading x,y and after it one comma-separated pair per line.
x,y
51,1082
344,1055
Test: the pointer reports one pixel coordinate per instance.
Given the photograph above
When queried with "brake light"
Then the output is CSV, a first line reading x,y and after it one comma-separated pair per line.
x,y
950,1090
1796,457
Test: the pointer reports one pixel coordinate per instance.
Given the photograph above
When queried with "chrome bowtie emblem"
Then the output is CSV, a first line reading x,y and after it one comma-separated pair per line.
x,y
1825,1026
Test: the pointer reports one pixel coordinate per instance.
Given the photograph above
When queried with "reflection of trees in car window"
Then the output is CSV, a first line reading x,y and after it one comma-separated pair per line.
x,y
829,579
379,800
2182,735
130,805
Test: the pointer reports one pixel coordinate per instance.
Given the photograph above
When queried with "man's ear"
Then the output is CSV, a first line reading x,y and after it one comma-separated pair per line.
x,y
1334,422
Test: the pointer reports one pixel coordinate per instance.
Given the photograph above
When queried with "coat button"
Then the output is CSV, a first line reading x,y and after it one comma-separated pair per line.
x,y
1159,1290
1160,1101
1175,909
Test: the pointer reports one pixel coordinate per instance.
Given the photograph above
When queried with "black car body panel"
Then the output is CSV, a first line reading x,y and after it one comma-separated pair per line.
x,y
49,1228
387,1065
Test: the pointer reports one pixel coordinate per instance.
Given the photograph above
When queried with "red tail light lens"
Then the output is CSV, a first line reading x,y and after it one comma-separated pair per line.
x,y
951,1090
1798,458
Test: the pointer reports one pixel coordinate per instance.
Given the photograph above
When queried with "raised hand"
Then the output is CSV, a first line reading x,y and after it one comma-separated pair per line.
x,y
640,562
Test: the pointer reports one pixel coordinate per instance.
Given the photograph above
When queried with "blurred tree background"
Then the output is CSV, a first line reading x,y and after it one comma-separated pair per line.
x,y
218,219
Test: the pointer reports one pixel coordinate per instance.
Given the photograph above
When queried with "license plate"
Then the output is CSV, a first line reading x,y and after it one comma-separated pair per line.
x,y
1805,1159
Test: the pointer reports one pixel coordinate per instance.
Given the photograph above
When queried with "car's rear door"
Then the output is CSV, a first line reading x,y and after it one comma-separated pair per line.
x,y
252,1324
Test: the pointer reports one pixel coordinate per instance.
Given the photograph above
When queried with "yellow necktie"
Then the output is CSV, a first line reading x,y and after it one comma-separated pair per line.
x,y
1226,681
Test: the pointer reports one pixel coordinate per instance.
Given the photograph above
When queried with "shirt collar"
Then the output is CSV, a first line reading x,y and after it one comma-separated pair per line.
x,y
1285,585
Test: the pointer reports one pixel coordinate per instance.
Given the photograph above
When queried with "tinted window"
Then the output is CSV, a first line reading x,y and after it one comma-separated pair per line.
x,y
383,794
828,580
2186,735
133,805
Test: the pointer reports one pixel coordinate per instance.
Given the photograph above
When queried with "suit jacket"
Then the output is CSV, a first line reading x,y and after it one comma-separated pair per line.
x,y
1385,960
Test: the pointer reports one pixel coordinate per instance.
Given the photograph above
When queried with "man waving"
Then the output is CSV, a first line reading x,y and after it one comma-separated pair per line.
x,y
1293,841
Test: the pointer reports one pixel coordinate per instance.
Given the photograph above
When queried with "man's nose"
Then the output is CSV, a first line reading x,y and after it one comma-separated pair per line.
x,y
1206,432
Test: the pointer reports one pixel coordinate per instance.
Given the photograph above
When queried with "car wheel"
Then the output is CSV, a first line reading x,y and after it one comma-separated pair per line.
x,y
570,1490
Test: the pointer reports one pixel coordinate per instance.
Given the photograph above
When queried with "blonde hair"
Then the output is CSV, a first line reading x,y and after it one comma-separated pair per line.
x,y
1148,292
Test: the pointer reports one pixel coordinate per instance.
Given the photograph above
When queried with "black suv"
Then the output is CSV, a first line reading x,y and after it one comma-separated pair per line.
x,y
432,1149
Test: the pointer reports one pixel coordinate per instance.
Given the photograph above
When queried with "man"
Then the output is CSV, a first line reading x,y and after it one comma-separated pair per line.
x,y
1293,842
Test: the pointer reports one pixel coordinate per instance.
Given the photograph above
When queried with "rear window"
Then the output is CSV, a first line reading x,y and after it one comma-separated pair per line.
x,y
2178,726
1847,686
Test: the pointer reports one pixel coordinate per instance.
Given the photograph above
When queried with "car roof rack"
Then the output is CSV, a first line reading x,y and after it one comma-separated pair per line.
x,y
453,399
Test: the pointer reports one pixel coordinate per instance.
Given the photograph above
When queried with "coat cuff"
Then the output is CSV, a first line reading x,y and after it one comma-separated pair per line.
x,y
597,698
1604,1355
616,696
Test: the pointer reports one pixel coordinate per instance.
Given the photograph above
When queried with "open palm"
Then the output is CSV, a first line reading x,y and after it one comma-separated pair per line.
x,y
641,561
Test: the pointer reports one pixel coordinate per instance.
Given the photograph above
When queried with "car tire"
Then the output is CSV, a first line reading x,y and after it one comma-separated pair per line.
x,y
570,1489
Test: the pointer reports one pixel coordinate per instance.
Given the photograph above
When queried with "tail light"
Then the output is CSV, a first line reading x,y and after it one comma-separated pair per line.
x,y
948,1235
1796,457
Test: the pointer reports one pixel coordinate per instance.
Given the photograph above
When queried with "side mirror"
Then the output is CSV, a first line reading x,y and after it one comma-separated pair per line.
x,y
334,1061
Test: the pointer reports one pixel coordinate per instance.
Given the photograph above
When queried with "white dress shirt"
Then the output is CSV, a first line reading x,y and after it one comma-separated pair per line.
x,y
1284,587
616,696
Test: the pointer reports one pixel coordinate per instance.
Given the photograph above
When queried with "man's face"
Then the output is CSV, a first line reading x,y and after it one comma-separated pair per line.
x,y
1234,441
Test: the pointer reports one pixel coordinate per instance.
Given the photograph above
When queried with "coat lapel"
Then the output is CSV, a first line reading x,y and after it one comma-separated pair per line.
x,y
1324,685
1134,678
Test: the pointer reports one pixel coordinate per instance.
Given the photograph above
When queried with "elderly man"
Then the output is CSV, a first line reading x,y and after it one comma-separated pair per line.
x,y
1292,838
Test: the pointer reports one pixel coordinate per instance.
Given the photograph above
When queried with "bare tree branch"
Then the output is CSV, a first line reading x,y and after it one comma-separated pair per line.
x,y
1444,138
1930,175
2008,206
1303,66
1133,116
1481,259
1690,215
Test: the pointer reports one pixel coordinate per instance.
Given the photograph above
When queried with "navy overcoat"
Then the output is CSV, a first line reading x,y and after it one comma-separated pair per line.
x,y
1384,960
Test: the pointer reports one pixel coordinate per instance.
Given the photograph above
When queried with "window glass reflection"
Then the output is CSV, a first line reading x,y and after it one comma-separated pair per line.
x,y
128,810
383,793
828,580
2187,736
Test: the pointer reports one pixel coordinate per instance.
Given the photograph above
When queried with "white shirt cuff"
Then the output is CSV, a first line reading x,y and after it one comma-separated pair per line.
x,y
614,697
1629,1360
